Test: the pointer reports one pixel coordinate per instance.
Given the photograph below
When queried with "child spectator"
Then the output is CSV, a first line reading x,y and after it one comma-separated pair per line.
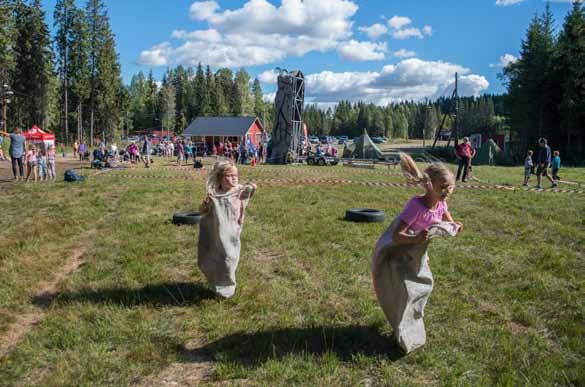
x,y
31,162
42,165
556,165
51,174
528,167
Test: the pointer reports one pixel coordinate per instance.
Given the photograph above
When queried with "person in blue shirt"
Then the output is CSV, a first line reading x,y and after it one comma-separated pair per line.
x,y
543,162
16,152
556,165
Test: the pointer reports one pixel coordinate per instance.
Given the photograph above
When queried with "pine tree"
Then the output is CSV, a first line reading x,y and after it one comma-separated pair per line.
x,y
108,86
570,75
63,20
78,68
167,104
224,84
199,91
243,85
96,19
7,38
236,101
33,65
258,98
214,102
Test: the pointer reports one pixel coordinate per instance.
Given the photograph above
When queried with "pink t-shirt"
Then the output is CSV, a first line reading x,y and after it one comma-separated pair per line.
x,y
419,217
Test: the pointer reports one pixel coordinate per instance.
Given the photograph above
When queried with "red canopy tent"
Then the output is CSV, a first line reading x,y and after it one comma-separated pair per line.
x,y
38,136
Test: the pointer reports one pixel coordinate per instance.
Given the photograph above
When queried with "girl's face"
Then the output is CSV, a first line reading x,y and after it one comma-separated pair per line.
x,y
442,189
229,179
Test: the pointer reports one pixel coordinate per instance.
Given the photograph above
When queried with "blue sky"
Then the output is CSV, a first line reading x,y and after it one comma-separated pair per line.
x,y
373,50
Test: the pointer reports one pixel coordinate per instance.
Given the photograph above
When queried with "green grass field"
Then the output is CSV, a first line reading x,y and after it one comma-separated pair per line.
x,y
508,307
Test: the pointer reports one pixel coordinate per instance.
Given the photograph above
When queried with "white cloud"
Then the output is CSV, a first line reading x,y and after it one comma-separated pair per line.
x,y
156,56
361,51
399,30
257,33
407,33
268,76
374,31
402,53
410,79
505,60
397,22
505,3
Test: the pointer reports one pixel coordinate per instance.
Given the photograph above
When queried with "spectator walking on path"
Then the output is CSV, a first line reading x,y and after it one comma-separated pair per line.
x,y
544,161
75,149
16,152
464,153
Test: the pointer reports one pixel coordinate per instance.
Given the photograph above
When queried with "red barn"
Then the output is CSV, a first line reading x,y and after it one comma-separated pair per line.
x,y
221,129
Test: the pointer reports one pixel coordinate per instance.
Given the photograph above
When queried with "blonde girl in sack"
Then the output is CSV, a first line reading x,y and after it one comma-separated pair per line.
x,y
221,227
401,275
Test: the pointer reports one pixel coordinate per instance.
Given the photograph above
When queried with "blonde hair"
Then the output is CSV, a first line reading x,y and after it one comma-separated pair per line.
x,y
434,173
217,173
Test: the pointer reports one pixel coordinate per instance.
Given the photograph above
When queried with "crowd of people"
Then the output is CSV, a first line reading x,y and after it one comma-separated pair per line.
x,y
544,160
39,160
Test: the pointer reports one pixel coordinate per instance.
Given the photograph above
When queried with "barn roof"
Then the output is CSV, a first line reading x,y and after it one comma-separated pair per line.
x,y
220,126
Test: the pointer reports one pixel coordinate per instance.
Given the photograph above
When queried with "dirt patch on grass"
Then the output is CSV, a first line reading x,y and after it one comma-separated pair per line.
x,y
195,368
24,323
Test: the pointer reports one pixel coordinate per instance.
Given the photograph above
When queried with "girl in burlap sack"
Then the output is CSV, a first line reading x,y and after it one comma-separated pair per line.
x,y
221,226
401,275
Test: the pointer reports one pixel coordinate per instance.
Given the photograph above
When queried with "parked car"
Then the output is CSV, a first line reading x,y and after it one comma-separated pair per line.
x,y
322,160
314,140
378,140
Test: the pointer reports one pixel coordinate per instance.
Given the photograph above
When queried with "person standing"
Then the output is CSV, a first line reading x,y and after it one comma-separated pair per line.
x,y
2,157
146,149
464,153
556,165
81,150
544,160
75,149
16,152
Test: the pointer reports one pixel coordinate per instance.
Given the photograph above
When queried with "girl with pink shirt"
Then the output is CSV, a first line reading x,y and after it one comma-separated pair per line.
x,y
401,274
31,162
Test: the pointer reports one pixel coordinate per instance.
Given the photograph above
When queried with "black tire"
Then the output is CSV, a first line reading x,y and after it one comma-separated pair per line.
x,y
334,162
189,217
366,215
311,161
321,162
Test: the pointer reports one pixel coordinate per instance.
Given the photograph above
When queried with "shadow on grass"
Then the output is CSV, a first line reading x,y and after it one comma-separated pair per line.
x,y
164,294
253,349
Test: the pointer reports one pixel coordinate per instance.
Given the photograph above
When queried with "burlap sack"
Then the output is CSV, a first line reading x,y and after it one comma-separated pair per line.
x,y
219,239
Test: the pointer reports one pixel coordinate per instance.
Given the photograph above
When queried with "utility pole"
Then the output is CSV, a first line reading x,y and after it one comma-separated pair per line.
x,y
5,94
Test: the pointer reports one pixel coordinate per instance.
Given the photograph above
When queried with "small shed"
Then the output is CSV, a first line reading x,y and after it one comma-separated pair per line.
x,y
221,129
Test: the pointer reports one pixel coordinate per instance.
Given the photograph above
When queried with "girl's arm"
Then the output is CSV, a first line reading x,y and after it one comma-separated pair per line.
x,y
448,218
205,205
401,237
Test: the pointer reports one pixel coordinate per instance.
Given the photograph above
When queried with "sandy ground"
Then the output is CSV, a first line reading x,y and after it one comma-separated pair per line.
x,y
62,165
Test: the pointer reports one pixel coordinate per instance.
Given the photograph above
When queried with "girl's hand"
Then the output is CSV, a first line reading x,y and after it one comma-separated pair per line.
x,y
460,227
422,236
253,186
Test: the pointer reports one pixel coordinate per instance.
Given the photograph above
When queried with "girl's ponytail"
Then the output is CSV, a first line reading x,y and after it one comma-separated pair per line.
x,y
410,170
